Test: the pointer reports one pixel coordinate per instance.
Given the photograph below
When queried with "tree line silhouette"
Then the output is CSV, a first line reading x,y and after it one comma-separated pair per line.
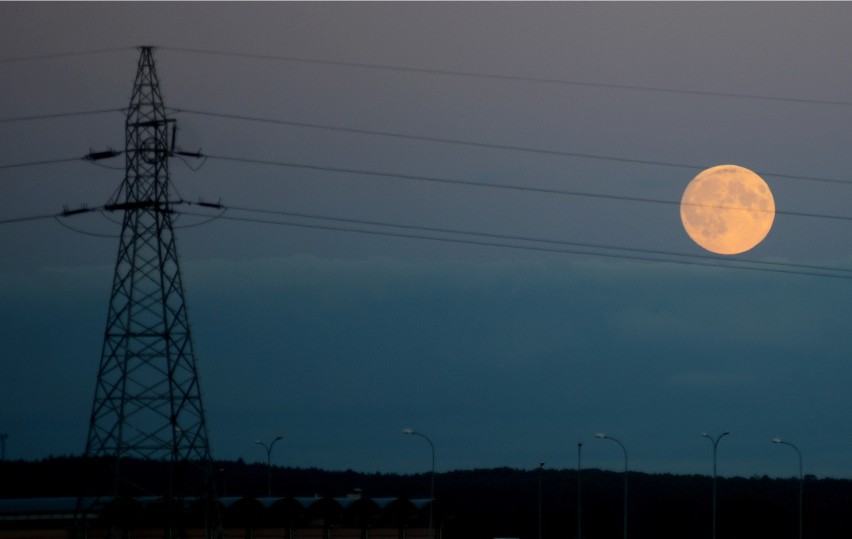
x,y
499,502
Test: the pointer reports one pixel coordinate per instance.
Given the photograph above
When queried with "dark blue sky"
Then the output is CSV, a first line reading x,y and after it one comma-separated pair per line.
x,y
502,355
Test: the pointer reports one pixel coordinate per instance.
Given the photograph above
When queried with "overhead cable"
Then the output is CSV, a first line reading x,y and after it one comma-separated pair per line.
x,y
60,115
39,163
505,186
540,248
91,156
515,78
491,235
509,147
63,55
28,218
487,239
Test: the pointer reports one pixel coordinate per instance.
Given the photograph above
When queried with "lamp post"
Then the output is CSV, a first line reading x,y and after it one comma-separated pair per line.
x,y
602,436
268,463
715,442
412,432
801,478
579,491
540,469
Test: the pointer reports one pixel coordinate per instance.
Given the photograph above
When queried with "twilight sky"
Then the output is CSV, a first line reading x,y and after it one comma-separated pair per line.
x,y
562,315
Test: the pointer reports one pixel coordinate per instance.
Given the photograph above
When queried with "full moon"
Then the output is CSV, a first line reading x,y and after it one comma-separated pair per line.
x,y
727,209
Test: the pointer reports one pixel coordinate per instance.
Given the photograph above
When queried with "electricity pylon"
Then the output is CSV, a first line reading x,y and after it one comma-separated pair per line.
x,y
147,401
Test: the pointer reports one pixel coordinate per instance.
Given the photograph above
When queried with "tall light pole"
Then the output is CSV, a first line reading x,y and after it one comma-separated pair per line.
x,y
540,469
801,478
412,432
579,487
602,436
715,442
268,463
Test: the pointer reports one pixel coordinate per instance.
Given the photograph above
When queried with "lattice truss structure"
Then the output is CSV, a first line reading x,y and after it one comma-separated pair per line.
x,y
147,401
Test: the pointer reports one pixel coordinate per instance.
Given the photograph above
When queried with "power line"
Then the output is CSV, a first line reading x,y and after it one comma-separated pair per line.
x,y
509,147
417,177
516,78
29,218
63,55
92,156
506,186
60,115
524,238
469,237
431,139
39,163
391,134
446,72
423,138
540,248
63,222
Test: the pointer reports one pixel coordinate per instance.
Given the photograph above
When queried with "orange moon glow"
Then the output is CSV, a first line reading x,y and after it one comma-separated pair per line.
x,y
727,209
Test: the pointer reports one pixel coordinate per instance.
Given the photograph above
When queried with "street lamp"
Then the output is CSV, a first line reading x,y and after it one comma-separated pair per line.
x,y
801,478
432,480
715,442
602,436
579,489
540,469
268,463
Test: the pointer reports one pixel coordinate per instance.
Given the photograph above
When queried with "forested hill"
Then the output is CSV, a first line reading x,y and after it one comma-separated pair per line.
x,y
505,502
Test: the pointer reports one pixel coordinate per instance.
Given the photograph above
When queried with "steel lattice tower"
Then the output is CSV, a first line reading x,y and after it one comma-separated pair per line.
x,y
147,401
